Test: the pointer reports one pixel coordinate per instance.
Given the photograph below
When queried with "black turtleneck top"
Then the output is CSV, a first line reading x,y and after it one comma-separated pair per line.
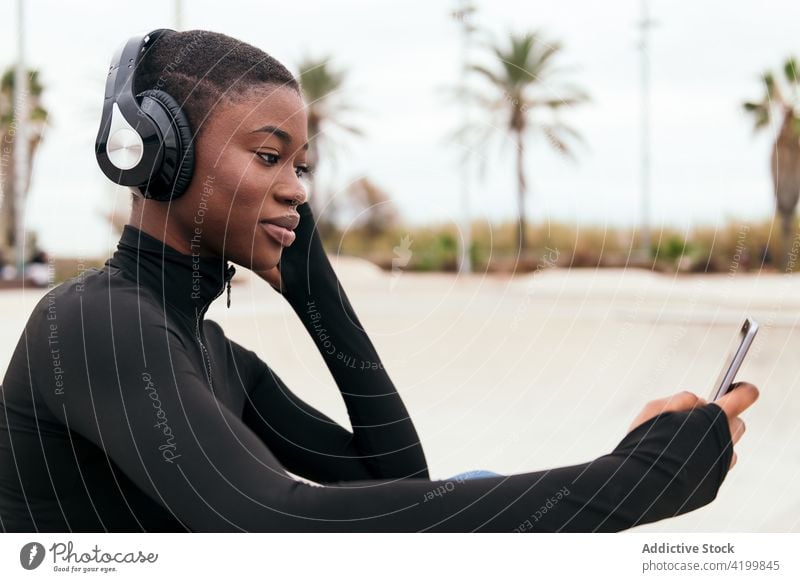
x,y
124,409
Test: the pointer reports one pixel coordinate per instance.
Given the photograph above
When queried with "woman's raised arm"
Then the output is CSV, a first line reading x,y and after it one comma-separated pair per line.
x,y
383,431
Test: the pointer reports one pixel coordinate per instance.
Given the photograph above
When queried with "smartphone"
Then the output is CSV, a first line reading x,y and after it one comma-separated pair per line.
x,y
736,352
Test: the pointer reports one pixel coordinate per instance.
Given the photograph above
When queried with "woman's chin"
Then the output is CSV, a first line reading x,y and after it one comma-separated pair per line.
x,y
259,262
264,264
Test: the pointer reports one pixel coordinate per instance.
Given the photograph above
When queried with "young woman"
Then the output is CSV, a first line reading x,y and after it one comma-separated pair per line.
x,y
125,409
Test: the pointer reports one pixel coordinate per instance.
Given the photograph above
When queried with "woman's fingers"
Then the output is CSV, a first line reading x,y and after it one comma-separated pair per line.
x,y
738,399
737,429
683,400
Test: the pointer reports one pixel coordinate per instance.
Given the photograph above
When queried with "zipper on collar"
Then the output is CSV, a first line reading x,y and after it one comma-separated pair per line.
x,y
229,271
228,276
204,351
199,319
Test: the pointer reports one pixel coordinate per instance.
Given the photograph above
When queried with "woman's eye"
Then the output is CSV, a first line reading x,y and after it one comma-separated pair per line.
x,y
272,159
303,171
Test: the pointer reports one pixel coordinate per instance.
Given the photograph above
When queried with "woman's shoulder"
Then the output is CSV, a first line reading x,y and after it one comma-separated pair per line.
x,y
96,294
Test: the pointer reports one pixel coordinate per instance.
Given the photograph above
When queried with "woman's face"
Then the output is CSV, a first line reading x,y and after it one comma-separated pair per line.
x,y
249,166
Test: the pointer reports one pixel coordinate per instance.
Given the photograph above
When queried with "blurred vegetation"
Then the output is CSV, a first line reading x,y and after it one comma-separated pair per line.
x,y
736,246
739,246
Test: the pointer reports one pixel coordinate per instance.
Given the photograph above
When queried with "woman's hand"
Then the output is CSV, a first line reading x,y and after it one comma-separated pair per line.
x,y
733,403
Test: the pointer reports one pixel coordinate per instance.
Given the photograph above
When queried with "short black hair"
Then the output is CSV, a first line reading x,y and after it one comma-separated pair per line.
x,y
197,67
201,69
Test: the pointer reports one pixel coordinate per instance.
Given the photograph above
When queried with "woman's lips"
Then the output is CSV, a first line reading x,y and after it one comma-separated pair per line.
x,y
284,236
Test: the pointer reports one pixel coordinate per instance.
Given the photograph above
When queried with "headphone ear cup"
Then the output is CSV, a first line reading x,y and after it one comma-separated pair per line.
x,y
171,180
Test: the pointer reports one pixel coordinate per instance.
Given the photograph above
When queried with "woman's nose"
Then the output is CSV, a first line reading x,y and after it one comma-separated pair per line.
x,y
291,198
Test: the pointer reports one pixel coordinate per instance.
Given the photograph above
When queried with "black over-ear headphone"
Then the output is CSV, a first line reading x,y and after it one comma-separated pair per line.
x,y
145,140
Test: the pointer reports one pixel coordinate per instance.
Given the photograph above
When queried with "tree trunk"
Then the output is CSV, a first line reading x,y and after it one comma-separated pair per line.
x,y
8,206
785,167
522,241
787,224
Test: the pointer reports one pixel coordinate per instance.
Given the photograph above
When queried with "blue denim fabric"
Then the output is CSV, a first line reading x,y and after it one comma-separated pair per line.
x,y
475,474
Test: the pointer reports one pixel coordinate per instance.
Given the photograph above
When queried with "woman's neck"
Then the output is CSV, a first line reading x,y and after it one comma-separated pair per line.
x,y
151,217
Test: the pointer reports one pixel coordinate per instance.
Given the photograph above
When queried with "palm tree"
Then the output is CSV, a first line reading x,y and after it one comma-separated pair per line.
x,y
522,80
323,88
37,119
785,161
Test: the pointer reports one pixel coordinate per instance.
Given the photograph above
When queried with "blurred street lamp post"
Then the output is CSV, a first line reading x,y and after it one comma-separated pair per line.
x,y
463,14
644,25
20,142
178,10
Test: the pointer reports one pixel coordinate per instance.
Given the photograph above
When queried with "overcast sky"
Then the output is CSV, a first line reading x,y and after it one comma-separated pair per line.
x,y
706,58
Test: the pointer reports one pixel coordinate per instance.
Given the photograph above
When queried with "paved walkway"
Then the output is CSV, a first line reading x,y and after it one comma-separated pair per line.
x,y
548,369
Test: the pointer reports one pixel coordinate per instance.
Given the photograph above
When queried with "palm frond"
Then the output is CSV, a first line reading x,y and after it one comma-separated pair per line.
x,y
558,103
323,88
491,76
760,112
790,70
351,129
555,140
773,90
473,139
558,134
524,66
